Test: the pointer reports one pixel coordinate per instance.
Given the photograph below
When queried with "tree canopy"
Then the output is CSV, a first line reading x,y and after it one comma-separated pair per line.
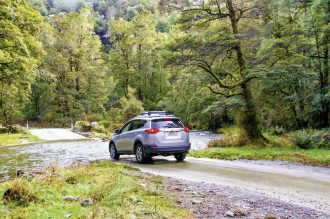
x,y
213,63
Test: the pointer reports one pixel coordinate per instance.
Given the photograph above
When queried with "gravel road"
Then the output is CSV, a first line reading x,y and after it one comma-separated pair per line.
x,y
56,134
294,184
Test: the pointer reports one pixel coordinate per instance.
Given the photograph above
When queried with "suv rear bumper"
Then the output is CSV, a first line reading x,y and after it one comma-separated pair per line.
x,y
153,150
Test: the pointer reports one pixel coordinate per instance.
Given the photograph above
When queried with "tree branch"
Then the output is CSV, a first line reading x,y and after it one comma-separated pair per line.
x,y
224,94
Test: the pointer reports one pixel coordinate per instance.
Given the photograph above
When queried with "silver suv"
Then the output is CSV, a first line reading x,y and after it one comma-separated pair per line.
x,y
150,134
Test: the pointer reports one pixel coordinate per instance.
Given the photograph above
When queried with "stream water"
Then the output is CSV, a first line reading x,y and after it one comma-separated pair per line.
x,y
38,156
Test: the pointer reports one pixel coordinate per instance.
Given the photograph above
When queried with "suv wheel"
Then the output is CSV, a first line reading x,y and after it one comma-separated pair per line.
x,y
139,154
180,157
113,152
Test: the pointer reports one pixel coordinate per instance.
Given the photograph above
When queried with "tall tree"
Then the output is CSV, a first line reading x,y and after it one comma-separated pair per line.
x,y
283,58
75,60
135,58
20,53
320,31
221,39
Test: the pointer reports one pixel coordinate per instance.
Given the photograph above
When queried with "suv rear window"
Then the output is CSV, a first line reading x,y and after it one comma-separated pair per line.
x,y
167,123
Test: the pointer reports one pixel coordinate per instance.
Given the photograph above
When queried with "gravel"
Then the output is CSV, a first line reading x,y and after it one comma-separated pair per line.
x,y
205,200
209,201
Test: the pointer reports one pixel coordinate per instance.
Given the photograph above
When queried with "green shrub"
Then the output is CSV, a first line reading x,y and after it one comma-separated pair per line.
x,y
4,130
310,138
233,137
277,141
82,126
19,193
16,129
100,129
302,139
106,124
321,138
115,126
277,130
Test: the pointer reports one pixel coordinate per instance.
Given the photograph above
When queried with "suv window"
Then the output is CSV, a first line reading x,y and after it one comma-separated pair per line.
x,y
137,124
167,123
126,127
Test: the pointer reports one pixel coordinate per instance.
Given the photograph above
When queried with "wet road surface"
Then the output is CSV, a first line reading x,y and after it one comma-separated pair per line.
x,y
64,153
302,185
54,134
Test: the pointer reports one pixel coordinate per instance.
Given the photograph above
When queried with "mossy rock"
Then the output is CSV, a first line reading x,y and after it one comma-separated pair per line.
x,y
82,126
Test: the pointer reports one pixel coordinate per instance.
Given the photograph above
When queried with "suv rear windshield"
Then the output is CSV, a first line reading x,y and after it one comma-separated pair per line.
x,y
167,123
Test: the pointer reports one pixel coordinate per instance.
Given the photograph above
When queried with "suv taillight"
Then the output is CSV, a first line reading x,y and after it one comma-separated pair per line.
x,y
186,129
152,131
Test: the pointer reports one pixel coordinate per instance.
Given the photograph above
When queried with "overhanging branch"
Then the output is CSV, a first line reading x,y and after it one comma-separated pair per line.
x,y
227,95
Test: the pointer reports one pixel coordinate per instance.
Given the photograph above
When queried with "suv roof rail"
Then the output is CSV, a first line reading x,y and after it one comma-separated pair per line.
x,y
155,114
158,113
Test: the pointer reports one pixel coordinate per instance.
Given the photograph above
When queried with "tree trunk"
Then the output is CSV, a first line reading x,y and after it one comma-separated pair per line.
x,y
324,86
249,120
325,82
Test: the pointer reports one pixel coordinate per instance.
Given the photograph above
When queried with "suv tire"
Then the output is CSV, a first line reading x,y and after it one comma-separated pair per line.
x,y
180,157
113,151
139,154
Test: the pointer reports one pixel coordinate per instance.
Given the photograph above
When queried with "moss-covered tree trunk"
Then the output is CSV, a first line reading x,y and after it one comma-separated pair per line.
x,y
249,120
325,77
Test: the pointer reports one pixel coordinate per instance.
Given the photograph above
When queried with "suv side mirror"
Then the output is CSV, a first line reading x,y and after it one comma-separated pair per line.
x,y
117,131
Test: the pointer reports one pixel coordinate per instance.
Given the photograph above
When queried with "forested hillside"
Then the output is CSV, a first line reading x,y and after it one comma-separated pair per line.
x,y
215,63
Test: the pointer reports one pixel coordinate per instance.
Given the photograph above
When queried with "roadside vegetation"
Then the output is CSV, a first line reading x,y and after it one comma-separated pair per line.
x,y
15,135
98,190
303,146
8,139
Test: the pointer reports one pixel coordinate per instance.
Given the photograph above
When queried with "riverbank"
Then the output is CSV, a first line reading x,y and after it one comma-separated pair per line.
x,y
98,190
8,139
317,157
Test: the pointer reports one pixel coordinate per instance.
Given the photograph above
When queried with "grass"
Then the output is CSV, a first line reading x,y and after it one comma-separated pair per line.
x,y
318,157
235,145
116,190
8,139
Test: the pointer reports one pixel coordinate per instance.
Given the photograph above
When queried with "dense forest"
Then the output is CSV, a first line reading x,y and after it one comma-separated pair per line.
x,y
214,63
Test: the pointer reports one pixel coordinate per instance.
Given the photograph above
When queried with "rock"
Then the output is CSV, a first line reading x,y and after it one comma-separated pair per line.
x,y
270,217
132,199
69,198
196,201
67,215
239,213
87,202
179,202
20,173
229,214
70,181
132,216
94,125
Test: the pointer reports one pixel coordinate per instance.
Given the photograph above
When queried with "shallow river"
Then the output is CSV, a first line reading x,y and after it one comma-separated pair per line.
x,y
37,156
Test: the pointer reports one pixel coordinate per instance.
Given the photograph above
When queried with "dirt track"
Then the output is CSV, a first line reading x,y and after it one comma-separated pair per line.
x,y
301,185
56,134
